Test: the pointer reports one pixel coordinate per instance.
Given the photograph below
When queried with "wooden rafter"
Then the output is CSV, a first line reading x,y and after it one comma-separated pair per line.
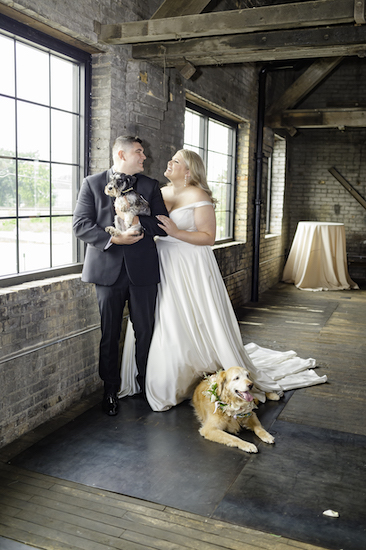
x,y
344,40
249,20
321,118
173,8
346,184
301,87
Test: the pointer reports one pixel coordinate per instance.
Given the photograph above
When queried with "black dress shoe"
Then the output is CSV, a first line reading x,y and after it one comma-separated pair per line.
x,y
110,404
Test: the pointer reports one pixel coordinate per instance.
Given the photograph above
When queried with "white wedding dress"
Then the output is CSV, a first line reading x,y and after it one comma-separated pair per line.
x,y
196,331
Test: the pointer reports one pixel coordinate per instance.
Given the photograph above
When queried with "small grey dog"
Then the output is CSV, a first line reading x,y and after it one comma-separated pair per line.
x,y
128,201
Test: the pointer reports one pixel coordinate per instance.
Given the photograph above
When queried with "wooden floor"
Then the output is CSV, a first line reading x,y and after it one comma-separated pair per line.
x,y
329,326
49,513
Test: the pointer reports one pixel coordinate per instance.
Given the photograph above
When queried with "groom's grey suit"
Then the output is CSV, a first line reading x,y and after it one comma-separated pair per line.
x,y
120,272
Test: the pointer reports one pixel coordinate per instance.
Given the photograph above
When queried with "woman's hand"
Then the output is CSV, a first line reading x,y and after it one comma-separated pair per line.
x,y
205,222
168,225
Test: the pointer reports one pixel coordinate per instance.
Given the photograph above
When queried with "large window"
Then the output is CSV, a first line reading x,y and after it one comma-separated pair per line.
x,y
214,139
42,111
276,186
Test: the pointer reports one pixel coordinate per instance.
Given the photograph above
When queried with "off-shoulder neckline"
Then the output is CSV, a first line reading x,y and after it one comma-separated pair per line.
x,y
195,204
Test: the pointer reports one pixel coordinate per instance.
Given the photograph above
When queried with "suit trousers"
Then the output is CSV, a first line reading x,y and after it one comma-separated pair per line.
x,y
141,303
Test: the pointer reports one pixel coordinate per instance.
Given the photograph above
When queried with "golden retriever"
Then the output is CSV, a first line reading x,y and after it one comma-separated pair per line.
x,y
223,403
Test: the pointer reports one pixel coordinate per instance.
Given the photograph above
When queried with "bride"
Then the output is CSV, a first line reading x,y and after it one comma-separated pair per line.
x,y
196,331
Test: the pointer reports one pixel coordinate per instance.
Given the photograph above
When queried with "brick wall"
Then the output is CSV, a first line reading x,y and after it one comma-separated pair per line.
x,y
314,193
49,351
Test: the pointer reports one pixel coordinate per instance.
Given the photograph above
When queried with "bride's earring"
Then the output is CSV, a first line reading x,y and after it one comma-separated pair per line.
x,y
186,180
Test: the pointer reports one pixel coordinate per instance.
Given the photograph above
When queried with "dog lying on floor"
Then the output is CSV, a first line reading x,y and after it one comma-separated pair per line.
x,y
128,202
223,403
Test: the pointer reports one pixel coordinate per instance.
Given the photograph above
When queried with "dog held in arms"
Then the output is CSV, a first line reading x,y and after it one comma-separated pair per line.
x,y
127,201
223,403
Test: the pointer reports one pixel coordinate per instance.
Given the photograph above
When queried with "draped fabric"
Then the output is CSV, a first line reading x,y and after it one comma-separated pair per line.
x,y
318,259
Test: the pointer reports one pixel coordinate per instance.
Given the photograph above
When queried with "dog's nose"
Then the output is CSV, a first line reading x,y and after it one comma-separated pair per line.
x,y
250,386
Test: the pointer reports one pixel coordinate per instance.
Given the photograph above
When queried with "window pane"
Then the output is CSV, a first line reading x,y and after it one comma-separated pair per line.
x,y
34,188
7,188
220,192
217,168
197,150
37,197
64,89
192,123
63,180
221,225
34,244
64,130
213,140
8,247
7,133
218,137
62,239
7,80
33,131
32,74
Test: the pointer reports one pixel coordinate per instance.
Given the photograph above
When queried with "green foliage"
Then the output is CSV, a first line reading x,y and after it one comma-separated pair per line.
x,y
33,182
7,181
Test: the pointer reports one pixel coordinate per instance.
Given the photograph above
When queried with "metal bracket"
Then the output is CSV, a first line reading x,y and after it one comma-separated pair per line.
x,y
359,12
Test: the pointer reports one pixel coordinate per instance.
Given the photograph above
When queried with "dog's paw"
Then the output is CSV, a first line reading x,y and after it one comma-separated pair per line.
x,y
272,396
266,437
248,447
112,231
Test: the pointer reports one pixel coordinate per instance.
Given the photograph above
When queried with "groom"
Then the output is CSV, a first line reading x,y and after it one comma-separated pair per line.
x,y
123,267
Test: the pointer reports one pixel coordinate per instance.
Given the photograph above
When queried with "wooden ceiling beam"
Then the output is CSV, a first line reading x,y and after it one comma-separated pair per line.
x,y
174,8
299,89
346,40
321,118
249,20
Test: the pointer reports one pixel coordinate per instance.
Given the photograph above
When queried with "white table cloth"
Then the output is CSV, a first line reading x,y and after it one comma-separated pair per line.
x,y
317,259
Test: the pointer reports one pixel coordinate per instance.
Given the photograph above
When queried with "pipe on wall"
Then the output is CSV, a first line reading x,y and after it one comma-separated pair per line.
x,y
258,181
262,79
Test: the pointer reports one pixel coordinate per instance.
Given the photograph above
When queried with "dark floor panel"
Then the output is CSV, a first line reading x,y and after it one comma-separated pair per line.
x,y
326,409
286,488
158,457
7,544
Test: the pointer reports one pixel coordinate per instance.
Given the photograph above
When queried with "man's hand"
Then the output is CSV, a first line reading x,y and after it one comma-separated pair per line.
x,y
128,237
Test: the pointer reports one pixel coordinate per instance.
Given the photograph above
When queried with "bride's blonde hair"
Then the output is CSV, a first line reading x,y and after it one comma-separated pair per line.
x,y
196,167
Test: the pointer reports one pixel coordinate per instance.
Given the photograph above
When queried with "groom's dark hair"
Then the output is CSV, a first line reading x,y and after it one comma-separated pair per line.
x,y
125,141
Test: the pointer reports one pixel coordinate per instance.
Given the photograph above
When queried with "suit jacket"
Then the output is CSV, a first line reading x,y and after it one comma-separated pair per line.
x,y
94,211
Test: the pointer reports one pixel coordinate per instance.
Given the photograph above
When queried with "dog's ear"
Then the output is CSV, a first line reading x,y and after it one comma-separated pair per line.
x,y
221,379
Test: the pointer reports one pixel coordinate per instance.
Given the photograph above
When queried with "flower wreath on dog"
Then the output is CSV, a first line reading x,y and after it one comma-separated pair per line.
x,y
215,398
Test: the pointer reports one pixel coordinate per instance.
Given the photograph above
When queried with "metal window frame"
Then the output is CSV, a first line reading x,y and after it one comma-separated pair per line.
x,y
207,115
53,46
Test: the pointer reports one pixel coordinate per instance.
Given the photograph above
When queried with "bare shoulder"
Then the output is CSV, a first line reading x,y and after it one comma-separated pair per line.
x,y
197,195
166,191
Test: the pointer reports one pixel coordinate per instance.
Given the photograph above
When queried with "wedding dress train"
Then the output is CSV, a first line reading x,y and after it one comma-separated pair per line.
x,y
196,331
